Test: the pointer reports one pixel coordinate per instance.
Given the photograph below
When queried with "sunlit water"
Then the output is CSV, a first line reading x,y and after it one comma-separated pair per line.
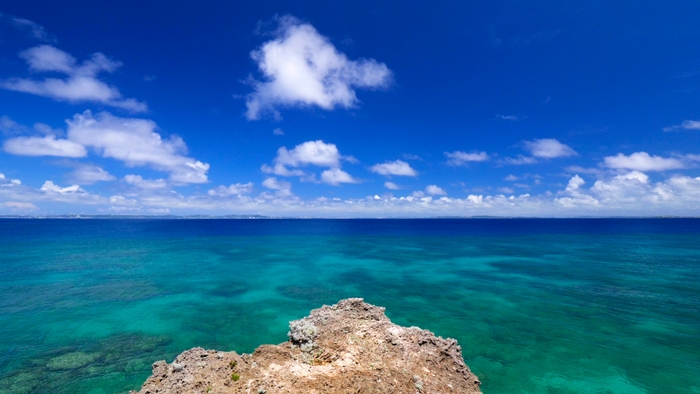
x,y
538,306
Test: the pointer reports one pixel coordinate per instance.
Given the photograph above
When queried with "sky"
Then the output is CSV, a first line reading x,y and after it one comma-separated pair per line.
x,y
350,109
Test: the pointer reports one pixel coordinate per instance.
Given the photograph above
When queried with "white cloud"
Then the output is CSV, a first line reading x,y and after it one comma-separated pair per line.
x,y
519,160
81,83
549,148
22,206
630,187
511,178
138,181
232,190
50,187
311,152
642,161
135,142
278,131
303,68
6,182
575,183
584,170
336,176
43,146
317,153
434,190
409,156
685,125
88,174
397,167
630,194
545,148
391,186
474,199
283,188
459,158
508,117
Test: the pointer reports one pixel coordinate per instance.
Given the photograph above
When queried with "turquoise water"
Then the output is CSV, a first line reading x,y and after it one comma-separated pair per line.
x,y
539,306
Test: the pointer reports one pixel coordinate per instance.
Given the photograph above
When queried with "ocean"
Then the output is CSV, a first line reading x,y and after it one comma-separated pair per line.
x,y
538,305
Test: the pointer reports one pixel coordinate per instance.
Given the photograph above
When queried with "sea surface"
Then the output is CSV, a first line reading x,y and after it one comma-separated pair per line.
x,y
538,305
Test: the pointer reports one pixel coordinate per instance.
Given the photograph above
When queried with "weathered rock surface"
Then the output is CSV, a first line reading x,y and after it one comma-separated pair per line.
x,y
350,347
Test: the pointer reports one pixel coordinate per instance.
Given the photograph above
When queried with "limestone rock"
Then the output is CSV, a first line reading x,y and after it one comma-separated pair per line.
x,y
350,347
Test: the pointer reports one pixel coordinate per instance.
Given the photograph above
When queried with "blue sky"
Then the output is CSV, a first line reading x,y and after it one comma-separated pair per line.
x,y
360,109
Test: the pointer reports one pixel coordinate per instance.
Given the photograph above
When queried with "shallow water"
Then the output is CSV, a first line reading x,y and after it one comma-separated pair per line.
x,y
539,306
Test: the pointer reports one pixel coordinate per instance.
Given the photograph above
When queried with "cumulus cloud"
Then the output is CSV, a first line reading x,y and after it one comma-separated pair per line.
x,y
511,178
391,186
136,143
234,189
397,167
549,148
7,182
459,158
300,67
633,193
685,125
132,141
283,188
575,183
278,131
88,174
139,182
336,176
80,84
47,145
435,190
642,161
316,153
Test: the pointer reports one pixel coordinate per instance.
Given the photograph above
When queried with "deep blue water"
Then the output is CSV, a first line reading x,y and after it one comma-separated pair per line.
x,y
538,305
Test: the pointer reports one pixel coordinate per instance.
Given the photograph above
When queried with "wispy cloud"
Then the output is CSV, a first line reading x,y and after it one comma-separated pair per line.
x,y
397,167
48,145
232,190
150,184
391,186
545,148
460,158
35,30
300,67
81,83
685,125
87,174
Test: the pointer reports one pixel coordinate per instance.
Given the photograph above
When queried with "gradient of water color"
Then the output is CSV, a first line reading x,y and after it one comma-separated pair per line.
x,y
539,306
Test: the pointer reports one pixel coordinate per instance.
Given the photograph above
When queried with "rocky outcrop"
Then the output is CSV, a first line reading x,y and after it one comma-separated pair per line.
x,y
350,347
